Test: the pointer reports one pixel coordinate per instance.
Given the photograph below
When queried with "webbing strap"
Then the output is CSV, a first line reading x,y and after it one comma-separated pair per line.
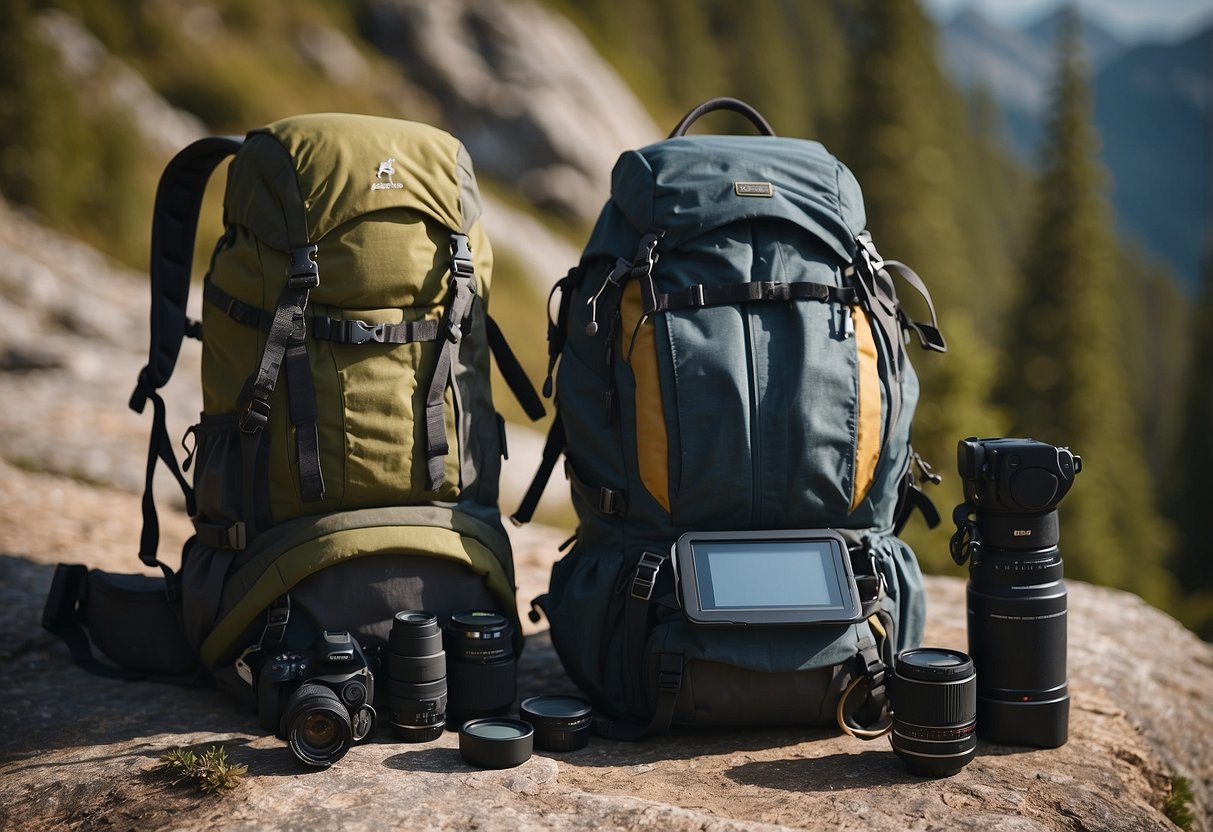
x,y
552,448
174,228
604,500
700,295
323,327
511,370
287,326
929,335
160,447
450,333
301,404
669,683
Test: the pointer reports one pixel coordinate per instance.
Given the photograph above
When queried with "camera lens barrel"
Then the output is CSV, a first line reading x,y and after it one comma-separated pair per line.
x,y
1017,605
317,725
934,694
416,677
481,667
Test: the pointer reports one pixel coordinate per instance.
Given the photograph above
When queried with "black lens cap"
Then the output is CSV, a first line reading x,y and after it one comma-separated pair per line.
x,y
562,723
496,742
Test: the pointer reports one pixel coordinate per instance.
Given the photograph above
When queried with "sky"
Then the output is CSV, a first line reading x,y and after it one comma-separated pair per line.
x,y
1132,20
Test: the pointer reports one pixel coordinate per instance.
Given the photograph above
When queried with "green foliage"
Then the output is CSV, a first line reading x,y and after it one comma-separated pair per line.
x,y
1190,483
209,771
1179,805
1065,384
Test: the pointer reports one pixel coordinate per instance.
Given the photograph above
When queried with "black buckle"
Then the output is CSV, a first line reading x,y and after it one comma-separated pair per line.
x,y
303,273
277,617
237,536
255,417
645,576
611,501
360,332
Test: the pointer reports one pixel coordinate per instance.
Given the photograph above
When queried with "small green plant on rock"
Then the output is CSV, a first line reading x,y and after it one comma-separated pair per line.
x,y
1179,805
209,771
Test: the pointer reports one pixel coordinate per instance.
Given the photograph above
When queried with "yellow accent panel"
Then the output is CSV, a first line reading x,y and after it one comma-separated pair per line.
x,y
324,551
868,437
652,442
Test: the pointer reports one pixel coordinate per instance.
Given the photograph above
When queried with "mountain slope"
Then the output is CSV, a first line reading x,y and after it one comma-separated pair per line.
x,y
1152,111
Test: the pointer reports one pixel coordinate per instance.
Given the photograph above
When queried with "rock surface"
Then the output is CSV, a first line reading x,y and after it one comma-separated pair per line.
x,y
530,97
78,752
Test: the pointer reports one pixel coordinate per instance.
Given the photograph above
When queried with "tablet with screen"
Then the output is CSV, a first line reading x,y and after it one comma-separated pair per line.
x,y
766,577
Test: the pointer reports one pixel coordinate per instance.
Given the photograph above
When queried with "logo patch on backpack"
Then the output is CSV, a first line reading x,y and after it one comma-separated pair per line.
x,y
753,189
387,168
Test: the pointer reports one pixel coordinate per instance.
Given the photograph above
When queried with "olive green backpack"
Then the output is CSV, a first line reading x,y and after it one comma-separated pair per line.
x,y
345,465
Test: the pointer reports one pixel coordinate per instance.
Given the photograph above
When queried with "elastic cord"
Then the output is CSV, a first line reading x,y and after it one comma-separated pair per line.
x,y
857,733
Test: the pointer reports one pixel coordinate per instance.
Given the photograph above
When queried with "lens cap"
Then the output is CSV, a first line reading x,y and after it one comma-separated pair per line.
x,y
496,743
561,723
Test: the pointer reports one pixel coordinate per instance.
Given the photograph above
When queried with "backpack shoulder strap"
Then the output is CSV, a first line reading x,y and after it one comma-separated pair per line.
x,y
174,227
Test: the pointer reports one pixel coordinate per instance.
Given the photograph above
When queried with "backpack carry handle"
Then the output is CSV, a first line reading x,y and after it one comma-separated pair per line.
x,y
724,103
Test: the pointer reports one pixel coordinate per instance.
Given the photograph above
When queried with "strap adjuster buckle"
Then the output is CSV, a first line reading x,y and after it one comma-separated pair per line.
x,y
645,576
255,417
237,536
611,502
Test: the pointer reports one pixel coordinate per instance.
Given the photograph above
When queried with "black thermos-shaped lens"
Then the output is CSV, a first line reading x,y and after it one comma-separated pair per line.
x,y
934,695
480,665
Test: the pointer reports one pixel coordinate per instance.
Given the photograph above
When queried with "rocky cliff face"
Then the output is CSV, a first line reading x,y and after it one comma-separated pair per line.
x,y
523,89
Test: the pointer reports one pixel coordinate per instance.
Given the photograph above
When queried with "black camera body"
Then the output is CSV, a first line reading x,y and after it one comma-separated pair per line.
x,y
1008,531
318,700
1015,476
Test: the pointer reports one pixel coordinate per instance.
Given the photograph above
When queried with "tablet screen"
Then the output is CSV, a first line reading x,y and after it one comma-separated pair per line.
x,y
766,577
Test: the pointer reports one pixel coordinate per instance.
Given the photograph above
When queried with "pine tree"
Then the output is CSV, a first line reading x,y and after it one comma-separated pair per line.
x,y
902,139
1065,384
1191,492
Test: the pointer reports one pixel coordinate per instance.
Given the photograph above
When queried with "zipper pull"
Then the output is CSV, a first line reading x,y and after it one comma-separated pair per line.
x,y
622,266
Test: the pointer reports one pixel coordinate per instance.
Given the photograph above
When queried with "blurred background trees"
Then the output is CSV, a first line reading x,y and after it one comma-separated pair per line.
x,y
1059,326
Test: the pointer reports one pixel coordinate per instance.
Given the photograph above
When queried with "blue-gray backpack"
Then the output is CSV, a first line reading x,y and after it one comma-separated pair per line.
x,y
732,364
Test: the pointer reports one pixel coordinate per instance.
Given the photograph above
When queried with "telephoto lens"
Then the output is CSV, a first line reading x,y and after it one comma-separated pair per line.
x,y
1008,530
416,677
480,648
934,696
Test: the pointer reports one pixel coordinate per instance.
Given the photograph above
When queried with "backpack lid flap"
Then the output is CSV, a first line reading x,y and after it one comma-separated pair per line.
x,y
691,185
345,166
